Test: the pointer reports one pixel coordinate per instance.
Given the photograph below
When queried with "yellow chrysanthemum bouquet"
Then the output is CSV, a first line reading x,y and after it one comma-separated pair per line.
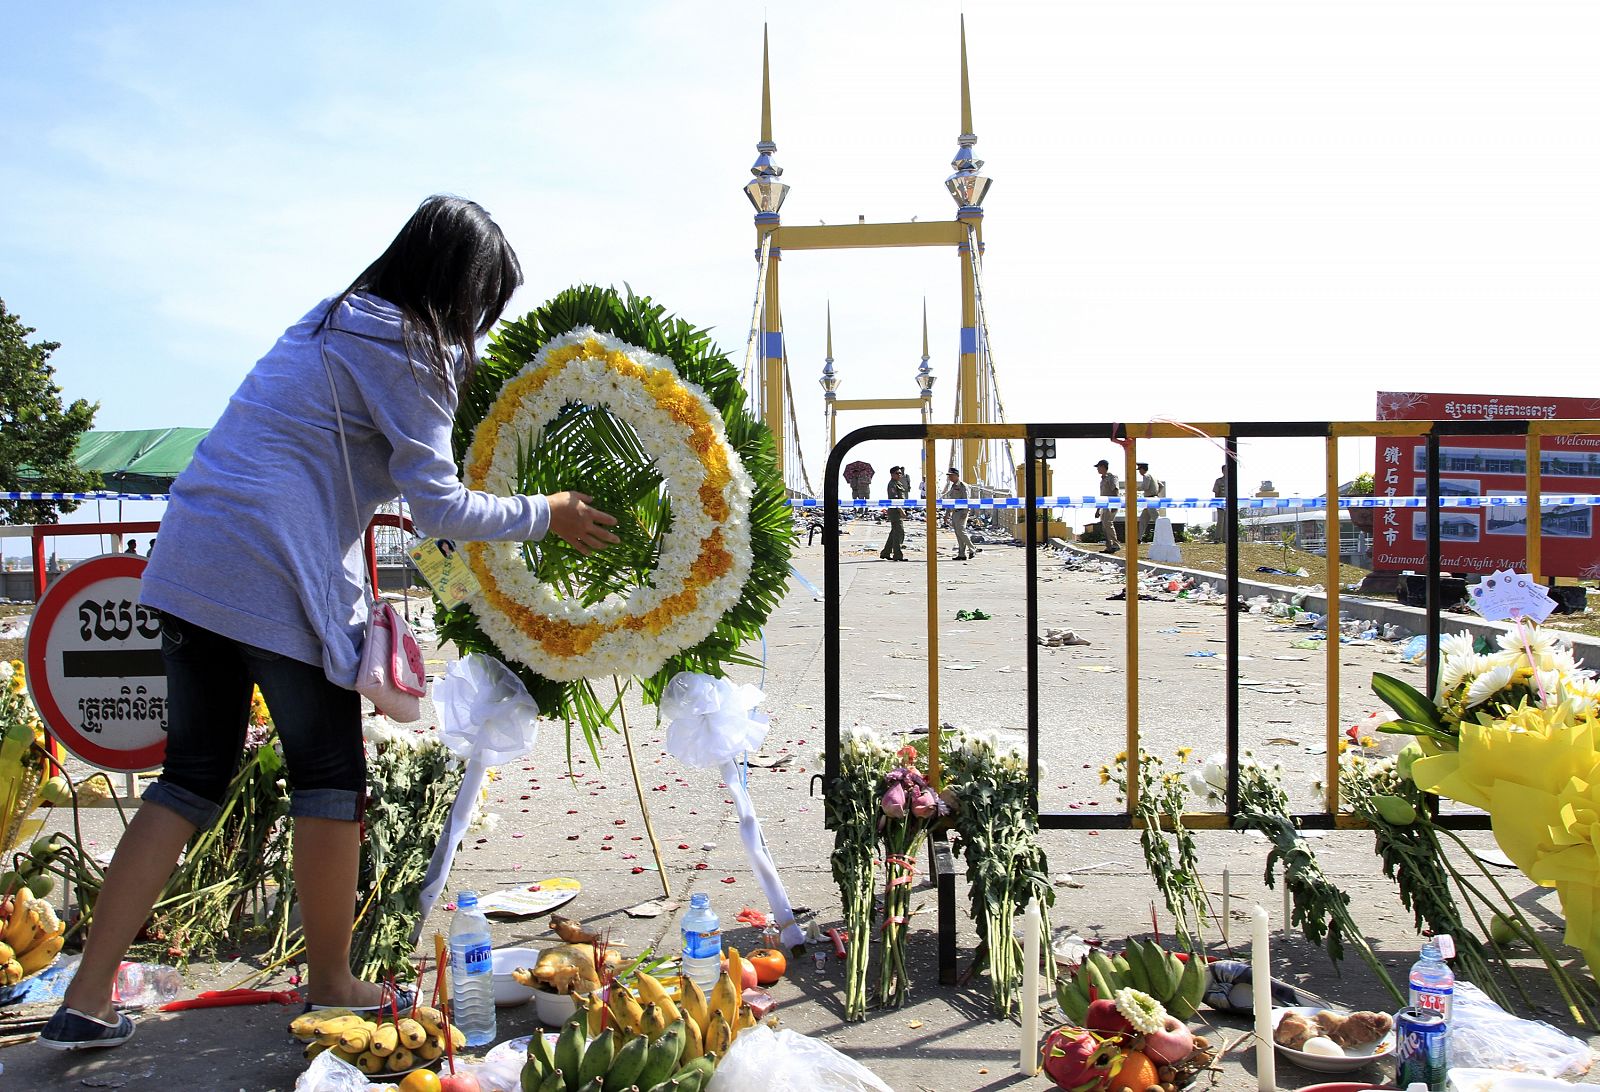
x,y
1514,731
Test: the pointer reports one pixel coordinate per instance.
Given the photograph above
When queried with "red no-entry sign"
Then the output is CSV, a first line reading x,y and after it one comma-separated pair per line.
x,y
95,668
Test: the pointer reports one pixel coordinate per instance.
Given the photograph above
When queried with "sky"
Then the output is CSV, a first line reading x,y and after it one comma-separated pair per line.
x,y
1200,211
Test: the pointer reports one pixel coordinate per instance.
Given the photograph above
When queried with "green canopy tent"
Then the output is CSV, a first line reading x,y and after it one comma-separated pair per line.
x,y
138,461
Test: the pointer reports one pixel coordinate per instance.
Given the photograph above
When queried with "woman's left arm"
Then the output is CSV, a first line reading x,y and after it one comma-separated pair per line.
x,y
412,411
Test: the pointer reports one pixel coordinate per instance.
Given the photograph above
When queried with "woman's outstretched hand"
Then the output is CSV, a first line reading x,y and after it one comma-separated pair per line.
x,y
580,525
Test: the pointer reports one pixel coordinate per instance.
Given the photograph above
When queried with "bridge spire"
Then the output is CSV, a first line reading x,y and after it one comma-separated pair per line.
x,y
966,185
766,193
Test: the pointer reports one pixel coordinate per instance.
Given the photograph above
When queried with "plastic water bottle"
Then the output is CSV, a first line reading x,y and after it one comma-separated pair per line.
x,y
1432,981
141,985
702,942
472,972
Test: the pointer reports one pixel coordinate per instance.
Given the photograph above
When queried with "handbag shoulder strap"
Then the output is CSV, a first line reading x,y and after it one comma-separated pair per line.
x,y
344,449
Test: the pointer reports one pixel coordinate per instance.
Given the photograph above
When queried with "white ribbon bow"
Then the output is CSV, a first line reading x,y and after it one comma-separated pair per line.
x,y
713,723
486,718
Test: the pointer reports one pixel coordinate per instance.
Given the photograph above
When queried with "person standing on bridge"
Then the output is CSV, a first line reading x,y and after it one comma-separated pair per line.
x,y
956,489
1107,514
1148,488
899,486
262,581
1219,489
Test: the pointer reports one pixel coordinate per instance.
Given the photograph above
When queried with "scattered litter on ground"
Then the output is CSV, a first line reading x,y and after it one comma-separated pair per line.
x,y
976,614
1201,654
652,909
1058,638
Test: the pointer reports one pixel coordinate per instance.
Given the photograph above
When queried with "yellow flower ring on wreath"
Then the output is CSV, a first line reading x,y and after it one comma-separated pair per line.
x,y
705,556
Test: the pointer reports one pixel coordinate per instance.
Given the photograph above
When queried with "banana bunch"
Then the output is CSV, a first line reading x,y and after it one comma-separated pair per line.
x,y
655,1042
381,1045
1144,966
33,867
30,936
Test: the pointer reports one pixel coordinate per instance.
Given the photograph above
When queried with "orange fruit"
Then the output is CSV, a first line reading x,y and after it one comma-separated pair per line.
x,y
769,964
1138,1072
425,1080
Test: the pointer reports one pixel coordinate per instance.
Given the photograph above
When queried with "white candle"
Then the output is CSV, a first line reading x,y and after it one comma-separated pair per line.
x,y
1261,985
1227,911
1029,1048
1288,908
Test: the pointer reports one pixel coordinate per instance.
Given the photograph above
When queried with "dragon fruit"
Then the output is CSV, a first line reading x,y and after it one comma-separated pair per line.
x,y
1078,1060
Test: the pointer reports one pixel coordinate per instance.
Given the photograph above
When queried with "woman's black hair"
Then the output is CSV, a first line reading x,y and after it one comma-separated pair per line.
x,y
451,272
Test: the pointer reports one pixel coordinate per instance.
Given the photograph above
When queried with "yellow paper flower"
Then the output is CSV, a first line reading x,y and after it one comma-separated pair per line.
x,y
1537,773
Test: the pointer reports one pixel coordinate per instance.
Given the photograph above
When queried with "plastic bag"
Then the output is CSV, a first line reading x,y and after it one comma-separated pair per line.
x,y
1485,1036
329,1073
499,1072
786,1061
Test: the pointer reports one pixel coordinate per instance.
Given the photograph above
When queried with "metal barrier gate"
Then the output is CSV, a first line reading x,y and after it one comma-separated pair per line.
x,y
941,860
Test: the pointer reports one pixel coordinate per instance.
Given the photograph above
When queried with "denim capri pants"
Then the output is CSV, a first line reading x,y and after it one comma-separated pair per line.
x,y
209,683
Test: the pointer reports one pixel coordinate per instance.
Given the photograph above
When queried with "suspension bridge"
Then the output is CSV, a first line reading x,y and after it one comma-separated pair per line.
x,y
987,465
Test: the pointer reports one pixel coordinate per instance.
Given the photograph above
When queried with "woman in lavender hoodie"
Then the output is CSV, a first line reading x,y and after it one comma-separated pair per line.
x,y
259,578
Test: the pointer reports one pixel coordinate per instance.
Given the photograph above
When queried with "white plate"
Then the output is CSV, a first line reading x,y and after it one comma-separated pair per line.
x,y
1354,1057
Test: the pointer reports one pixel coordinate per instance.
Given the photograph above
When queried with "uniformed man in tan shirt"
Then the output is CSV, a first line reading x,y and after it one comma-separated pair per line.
x,y
1108,515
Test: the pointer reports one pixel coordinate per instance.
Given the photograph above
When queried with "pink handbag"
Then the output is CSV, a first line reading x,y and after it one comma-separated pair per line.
x,y
392,675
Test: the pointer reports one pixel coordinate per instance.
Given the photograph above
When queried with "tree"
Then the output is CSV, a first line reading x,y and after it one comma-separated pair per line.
x,y
37,436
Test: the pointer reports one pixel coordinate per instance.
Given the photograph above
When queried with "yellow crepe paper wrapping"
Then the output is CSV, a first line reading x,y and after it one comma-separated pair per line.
x,y
1537,773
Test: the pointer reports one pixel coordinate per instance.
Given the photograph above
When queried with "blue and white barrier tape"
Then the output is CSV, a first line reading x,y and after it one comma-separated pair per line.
x,y
1546,500
104,494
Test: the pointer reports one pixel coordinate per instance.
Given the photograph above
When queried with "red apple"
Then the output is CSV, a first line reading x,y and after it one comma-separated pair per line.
x,y
1171,1045
459,1082
750,980
1105,1017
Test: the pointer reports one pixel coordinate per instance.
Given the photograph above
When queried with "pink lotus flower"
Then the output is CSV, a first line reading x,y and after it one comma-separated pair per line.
x,y
894,801
924,801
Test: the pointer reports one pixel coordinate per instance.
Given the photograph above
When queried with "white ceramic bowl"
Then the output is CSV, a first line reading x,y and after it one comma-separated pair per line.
x,y
507,990
1354,1058
553,1008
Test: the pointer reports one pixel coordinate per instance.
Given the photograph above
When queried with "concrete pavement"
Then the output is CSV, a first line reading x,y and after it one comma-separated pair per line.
x,y
946,1038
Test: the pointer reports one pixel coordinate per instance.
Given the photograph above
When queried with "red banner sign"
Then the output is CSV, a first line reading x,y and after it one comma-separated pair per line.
x,y
1483,540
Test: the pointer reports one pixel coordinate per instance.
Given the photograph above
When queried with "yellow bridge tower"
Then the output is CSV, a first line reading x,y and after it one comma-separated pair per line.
x,y
968,186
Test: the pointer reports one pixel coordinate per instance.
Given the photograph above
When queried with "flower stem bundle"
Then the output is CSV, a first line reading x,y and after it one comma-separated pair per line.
x,y
1163,800
1320,908
1006,865
852,805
